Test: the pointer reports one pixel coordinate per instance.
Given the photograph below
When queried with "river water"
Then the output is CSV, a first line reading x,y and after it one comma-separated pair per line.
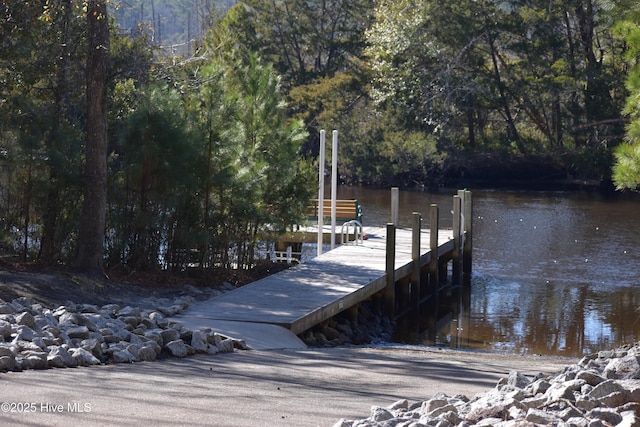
x,y
555,273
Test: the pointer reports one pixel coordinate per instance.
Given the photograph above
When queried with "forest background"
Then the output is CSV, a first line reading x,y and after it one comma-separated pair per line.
x,y
213,111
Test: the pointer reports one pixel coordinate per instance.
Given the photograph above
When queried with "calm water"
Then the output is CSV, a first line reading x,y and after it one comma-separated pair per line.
x,y
553,273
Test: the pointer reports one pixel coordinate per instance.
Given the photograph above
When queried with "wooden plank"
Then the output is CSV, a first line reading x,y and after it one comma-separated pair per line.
x,y
312,292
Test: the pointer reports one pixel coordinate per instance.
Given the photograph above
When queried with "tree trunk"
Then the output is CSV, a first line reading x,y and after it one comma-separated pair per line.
x,y
90,251
511,126
48,245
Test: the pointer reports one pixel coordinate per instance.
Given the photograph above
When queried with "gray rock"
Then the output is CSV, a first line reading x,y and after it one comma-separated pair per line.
x,y
590,377
59,357
623,367
25,318
169,335
225,346
122,356
538,416
79,332
199,342
23,332
7,363
605,388
147,353
84,357
380,414
129,311
177,348
563,390
607,415
6,308
517,380
5,329
93,346
135,350
7,349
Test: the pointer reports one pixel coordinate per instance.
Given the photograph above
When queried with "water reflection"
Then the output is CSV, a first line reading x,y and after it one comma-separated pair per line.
x,y
553,273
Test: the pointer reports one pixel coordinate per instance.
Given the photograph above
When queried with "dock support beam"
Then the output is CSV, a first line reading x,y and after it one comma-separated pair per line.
x,y
395,205
416,290
390,289
457,241
468,237
434,274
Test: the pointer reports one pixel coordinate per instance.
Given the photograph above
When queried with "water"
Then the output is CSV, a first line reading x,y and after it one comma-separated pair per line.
x,y
554,273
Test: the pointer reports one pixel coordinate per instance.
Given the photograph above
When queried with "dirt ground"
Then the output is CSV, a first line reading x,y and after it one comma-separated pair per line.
x,y
57,286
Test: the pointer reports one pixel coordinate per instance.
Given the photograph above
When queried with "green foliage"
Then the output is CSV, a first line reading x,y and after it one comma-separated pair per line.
x,y
525,76
626,169
626,173
153,173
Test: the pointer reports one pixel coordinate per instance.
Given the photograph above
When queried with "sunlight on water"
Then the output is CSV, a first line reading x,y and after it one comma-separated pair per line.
x,y
553,273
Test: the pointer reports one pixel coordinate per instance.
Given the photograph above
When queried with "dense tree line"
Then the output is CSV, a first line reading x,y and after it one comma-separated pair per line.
x,y
201,159
210,144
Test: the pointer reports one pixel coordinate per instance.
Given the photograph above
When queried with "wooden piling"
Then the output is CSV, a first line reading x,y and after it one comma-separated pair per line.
x,y
434,223
457,237
434,274
415,272
395,205
468,240
390,289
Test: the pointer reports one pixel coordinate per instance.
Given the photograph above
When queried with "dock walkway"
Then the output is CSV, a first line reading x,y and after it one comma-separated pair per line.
x,y
307,294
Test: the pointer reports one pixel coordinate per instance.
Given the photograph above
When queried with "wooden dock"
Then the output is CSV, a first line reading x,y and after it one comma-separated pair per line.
x,y
402,268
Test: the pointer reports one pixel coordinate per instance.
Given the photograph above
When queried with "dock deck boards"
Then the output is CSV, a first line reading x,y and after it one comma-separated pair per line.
x,y
316,290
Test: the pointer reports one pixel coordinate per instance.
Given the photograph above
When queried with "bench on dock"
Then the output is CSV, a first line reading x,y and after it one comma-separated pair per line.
x,y
346,210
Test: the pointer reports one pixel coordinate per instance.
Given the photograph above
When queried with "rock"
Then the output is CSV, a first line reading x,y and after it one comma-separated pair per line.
x,y
601,390
23,332
624,367
59,357
590,377
129,311
608,415
147,353
122,356
199,342
225,346
177,348
84,357
5,329
25,318
7,349
93,346
134,349
6,308
7,363
159,319
517,380
80,332
169,335
380,414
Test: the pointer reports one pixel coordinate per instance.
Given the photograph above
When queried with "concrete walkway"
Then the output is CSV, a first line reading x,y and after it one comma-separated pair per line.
x,y
313,387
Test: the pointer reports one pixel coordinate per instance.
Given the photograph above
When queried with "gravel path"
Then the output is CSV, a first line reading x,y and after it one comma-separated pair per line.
x,y
312,387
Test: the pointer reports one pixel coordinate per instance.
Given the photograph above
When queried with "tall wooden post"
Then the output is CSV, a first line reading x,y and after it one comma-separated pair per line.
x,y
415,271
434,273
468,240
390,290
395,204
456,271
434,223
